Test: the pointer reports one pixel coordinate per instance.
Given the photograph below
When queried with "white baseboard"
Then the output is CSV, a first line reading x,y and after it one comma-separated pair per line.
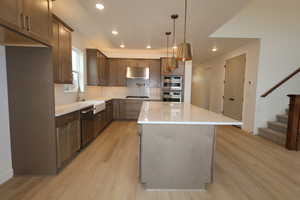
x,y
5,176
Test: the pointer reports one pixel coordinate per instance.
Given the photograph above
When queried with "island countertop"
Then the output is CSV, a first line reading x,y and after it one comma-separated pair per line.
x,y
181,113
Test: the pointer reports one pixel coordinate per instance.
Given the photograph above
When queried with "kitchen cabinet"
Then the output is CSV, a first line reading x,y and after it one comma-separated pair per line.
x,y
103,118
96,68
118,66
155,73
29,17
99,122
117,72
62,51
132,108
165,71
10,14
116,109
127,109
68,138
109,111
38,18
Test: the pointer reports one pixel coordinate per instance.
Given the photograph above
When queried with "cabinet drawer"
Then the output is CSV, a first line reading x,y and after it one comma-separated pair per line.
x,y
65,119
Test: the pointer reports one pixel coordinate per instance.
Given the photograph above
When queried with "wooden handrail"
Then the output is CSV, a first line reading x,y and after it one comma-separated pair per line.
x,y
281,82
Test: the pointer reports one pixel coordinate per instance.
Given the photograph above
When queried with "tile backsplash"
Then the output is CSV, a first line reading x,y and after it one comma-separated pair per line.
x,y
93,92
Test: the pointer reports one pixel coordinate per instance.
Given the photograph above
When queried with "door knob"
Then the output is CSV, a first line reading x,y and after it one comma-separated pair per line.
x,y
231,99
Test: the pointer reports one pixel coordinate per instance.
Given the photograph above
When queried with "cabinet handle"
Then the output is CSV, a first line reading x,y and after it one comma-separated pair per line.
x,y
28,19
23,21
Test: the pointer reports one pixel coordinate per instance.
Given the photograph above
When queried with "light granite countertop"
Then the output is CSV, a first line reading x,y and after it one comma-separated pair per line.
x,y
181,113
72,107
69,108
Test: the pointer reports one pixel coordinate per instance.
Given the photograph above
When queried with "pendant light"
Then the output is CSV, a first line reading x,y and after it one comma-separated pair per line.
x,y
173,61
184,50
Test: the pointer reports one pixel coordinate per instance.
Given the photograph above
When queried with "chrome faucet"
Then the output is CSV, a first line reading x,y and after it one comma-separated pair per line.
x,y
78,98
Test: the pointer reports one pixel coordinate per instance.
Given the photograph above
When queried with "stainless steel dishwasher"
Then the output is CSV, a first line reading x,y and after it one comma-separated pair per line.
x,y
87,126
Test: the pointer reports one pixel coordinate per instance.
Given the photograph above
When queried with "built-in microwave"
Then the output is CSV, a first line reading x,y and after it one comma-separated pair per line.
x,y
172,82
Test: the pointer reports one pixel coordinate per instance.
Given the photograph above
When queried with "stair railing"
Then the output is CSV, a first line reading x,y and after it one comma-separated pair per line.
x,y
281,83
292,140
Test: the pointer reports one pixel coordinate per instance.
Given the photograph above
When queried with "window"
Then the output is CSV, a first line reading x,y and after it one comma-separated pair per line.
x,y
77,69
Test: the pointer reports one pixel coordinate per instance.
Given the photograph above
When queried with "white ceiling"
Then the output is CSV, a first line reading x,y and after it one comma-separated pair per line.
x,y
144,22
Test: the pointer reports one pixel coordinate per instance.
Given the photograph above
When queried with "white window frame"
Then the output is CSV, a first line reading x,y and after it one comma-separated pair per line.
x,y
79,70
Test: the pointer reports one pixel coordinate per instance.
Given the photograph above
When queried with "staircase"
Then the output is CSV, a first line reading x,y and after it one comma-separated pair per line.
x,y
276,130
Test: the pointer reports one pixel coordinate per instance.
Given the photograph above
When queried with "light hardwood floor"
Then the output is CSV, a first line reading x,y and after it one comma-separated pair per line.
x,y
247,167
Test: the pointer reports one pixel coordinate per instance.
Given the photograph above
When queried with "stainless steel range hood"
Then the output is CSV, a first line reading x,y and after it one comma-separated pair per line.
x,y
137,72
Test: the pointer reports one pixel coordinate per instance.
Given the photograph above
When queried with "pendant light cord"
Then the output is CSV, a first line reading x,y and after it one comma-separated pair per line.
x,y
167,50
174,36
185,16
168,35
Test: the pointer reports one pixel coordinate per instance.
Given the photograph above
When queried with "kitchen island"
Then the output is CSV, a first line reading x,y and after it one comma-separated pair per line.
x,y
177,145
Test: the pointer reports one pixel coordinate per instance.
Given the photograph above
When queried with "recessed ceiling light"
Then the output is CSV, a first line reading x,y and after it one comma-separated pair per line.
x,y
175,47
122,46
99,6
214,49
114,32
148,47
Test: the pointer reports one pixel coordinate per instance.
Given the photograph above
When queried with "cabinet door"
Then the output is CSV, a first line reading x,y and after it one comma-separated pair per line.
x,y
122,74
38,18
117,72
113,72
10,13
106,73
116,109
132,109
65,54
101,69
55,52
155,73
63,144
74,136
122,109
92,68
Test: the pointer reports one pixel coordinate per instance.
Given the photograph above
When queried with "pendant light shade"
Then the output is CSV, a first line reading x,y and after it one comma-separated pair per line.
x,y
184,52
184,49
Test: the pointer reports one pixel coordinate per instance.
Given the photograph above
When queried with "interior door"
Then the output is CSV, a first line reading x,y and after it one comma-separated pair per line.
x,y
234,87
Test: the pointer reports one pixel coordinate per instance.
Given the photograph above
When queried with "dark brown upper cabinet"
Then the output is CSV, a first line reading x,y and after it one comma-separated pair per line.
x,y
31,18
10,14
96,68
62,51
166,71
117,72
117,67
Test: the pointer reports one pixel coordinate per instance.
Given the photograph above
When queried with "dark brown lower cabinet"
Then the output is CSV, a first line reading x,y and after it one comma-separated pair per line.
x,y
99,122
126,109
68,137
109,111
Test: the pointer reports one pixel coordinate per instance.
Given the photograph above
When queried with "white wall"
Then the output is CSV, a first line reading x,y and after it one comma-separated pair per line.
x,y
188,68
6,171
213,83
200,86
276,22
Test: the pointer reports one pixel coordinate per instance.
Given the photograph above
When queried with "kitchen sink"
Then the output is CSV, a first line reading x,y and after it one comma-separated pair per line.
x,y
98,105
